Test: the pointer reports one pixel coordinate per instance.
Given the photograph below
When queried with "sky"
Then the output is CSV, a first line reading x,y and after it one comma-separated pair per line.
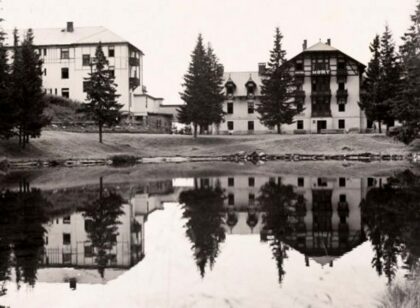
x,y
240,31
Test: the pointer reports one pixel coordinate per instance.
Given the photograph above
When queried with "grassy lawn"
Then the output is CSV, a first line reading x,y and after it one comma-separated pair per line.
x,y
56,144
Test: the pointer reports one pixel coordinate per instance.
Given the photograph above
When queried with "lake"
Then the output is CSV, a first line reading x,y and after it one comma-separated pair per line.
x,y
249,238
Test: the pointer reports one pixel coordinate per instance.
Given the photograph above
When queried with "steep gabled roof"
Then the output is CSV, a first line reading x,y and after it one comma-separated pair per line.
x,y
320,47
79,36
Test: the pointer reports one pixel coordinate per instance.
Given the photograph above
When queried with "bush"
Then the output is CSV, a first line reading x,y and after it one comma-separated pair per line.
x,y
123,160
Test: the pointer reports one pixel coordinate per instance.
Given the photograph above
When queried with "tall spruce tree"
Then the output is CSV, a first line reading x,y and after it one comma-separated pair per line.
x,y
407,107
370,87
102,106
390,78
7,109
202,89
25,91
278,105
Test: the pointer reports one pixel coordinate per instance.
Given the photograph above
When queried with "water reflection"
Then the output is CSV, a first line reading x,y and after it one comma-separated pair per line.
x,y
93,233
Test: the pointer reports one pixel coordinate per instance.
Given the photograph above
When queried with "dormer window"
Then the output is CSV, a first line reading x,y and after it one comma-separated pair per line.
x,y
250,88
230,87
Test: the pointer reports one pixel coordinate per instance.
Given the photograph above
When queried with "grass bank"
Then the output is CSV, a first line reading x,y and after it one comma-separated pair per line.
x,y
65,145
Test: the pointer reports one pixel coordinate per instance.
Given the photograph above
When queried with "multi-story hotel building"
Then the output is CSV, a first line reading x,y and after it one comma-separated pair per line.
x,y
328,87
68,57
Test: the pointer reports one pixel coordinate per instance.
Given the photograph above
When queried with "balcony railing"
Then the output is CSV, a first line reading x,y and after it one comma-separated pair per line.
x,y
342,94
322,93
300,94
320,70
321,113
134,82
342,72
134,61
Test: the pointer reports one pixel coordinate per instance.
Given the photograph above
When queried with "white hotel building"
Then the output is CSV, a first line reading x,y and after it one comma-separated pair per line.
x,y
67,55
328,88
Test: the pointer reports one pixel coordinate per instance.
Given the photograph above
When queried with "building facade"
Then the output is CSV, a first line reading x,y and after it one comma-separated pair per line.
x,y
68,56
328,87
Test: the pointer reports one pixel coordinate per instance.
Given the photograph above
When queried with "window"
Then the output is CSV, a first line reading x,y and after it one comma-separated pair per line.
x,y
230,108
88,225
65,92
111,72
322,182
86,60
341,65
45,72
371,182
251,182
341,86
301,182
66,220
250,125
251,199
64,73
342,182
341,107
300,124
85,86
250,107
231,182
55,91
66,258
65,53
230,125
299,66
88,251
341,124
343,198
44,50
111,52
66,238
231,199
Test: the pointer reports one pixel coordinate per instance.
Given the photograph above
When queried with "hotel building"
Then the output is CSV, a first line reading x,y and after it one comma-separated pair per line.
x,y
328,87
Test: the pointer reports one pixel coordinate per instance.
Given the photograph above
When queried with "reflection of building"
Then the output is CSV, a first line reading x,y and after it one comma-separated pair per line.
x,y
326,215
67,238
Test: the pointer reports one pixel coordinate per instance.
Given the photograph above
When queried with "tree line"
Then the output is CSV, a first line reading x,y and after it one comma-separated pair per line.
x,y
391,88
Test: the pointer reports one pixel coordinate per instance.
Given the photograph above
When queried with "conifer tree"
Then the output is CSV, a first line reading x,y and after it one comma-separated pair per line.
x,y
7,109
407,107
370,87
102,106
278,105
202,89
390,78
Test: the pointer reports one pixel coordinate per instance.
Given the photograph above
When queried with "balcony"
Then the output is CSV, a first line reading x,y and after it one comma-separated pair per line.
x,y
321,70
134,82
321,113
342,94
322,93
300,94
299,73
341,72
134,61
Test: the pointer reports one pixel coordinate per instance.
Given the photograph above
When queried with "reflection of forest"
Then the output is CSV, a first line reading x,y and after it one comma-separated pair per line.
x,y
320,217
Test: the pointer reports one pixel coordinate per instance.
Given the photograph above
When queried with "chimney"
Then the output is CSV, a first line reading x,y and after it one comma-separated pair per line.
x,y
261,68
329,42
305,44
70,27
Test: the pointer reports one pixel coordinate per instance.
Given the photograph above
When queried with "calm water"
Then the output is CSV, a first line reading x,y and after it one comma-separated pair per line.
x,y
229,241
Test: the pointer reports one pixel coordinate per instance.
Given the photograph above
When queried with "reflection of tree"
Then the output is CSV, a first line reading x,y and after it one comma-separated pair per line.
x,y
392,214
22,235
103,214
277,201
203,207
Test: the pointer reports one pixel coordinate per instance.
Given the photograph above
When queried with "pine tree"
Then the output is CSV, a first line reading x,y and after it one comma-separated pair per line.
x,y
370,93
25,91
278,105
102,106
390,78
407,107
202,89
7,109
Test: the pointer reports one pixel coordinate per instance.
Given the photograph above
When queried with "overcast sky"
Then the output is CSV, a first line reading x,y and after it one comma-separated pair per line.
x,y
241,31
